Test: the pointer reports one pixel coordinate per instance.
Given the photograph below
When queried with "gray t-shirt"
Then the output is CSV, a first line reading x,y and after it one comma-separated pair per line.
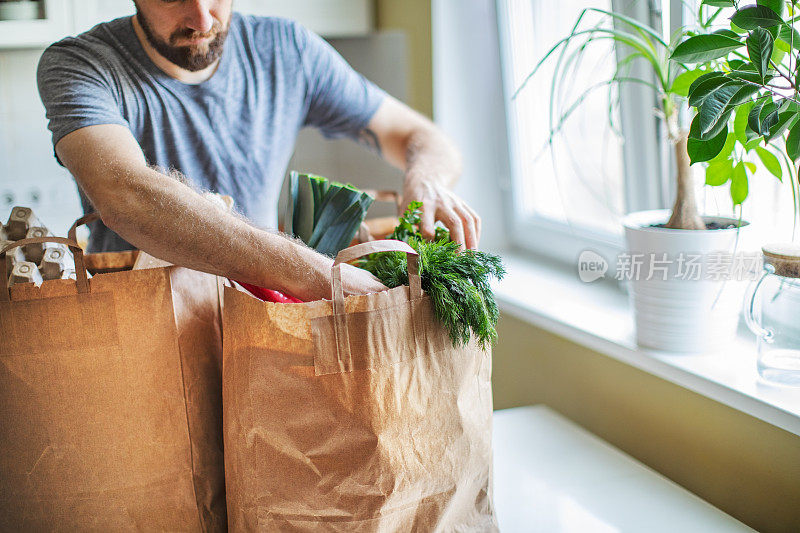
x,y
235,132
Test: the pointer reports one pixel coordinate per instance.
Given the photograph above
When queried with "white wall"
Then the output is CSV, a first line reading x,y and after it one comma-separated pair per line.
x,y
468,105
29,174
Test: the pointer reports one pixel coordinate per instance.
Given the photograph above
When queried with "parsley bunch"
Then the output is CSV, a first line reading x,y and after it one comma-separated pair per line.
x,y
457,282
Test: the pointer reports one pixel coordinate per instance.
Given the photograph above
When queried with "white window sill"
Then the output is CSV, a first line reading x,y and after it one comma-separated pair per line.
x,y
597,315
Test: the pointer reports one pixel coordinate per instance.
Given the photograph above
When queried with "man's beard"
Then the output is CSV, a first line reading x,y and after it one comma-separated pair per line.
x,y
190,58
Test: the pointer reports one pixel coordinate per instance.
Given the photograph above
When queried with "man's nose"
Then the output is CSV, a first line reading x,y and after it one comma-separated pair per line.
x,y
198,15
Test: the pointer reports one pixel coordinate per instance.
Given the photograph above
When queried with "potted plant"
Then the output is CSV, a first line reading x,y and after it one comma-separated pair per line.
x,y
755,82
726,75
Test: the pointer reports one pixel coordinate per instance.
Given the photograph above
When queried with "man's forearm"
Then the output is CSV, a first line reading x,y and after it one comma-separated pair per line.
x,y
432,165
430,155
412,143
171,221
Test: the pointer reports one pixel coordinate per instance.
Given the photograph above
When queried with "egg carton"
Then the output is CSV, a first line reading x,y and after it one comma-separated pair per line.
x,y
37,262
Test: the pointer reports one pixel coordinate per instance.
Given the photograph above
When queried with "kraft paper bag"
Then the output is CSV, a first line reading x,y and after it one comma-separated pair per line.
x,y
196,302
110,401
355,414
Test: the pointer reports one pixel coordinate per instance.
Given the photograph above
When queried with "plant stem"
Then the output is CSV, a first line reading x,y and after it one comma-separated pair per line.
x,y
782,74
684,212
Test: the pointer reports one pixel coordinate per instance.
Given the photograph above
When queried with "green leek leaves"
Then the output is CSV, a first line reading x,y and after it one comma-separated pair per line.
x,y
324,214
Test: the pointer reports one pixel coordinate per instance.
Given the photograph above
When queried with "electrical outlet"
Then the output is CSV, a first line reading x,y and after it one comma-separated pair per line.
x,y
34,197
7,200
54,199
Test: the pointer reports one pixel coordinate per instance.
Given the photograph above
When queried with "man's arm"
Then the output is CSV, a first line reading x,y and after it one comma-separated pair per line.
x,y
171,221
432,164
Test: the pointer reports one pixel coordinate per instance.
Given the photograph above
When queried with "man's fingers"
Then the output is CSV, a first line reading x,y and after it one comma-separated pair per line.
x,y
428,220
455,225
439,203
359,281
468,223
477,221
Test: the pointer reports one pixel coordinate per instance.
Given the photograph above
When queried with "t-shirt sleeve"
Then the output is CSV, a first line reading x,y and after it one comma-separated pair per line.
x,y
341,101
74,91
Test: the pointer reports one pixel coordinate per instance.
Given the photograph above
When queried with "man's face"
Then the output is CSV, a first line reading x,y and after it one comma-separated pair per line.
x,y
188,33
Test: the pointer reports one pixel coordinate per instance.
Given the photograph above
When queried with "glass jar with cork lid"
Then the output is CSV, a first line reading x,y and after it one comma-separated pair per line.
x,y
772,312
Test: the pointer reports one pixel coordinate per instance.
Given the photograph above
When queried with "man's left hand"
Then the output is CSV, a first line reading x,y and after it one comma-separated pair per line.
x,y
440,203
431,161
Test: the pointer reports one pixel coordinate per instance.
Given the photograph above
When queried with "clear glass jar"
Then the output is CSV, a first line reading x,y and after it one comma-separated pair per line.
x,y
772,312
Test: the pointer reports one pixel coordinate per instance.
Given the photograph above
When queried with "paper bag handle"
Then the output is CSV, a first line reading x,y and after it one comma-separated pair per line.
x,y
80,265
82,280
355,252
360,250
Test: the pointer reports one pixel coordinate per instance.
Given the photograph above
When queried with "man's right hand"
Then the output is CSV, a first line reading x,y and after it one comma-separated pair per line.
x,y
358,281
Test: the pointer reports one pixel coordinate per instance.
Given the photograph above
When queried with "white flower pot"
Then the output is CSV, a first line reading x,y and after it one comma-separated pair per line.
x,y
19,10
677,309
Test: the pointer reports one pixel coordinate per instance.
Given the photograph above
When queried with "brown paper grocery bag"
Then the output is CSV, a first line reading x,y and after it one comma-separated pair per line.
x,y
354,415
110,402
196,301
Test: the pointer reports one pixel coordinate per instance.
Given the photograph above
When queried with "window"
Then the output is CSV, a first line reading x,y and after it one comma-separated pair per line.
x,y
568,188
578,179
610,156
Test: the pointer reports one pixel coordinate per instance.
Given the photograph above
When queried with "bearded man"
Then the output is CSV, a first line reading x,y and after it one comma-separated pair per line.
x,y
220,97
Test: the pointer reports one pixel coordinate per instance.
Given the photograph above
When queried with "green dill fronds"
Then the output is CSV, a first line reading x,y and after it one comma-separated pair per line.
x,y
458,283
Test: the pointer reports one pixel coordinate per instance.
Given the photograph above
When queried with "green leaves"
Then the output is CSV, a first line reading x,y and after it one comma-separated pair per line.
x,y
740,122
763,116
705,85
753,121
760,93
778,6
685,80
739,184
759,48
790,36
704,150
702,48
770,162
719,172
715,106
748,74
793,143
768,118
787,117
752,17
727,149
743,95
458,283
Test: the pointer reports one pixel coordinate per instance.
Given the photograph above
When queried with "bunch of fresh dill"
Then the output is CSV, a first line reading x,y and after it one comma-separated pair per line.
x,y
457,282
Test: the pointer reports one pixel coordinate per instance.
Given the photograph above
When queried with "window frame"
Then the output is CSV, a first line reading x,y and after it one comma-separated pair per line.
x,y
645,153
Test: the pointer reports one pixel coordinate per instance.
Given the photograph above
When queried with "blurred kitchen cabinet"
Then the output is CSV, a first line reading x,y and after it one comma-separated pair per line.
x,y
329,18
88,13
60,18
53,24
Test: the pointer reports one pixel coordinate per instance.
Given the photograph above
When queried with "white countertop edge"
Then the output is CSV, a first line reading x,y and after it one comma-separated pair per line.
x,y
734,385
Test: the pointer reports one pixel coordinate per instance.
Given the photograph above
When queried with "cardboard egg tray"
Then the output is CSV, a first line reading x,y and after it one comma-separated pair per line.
x,y
33,263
